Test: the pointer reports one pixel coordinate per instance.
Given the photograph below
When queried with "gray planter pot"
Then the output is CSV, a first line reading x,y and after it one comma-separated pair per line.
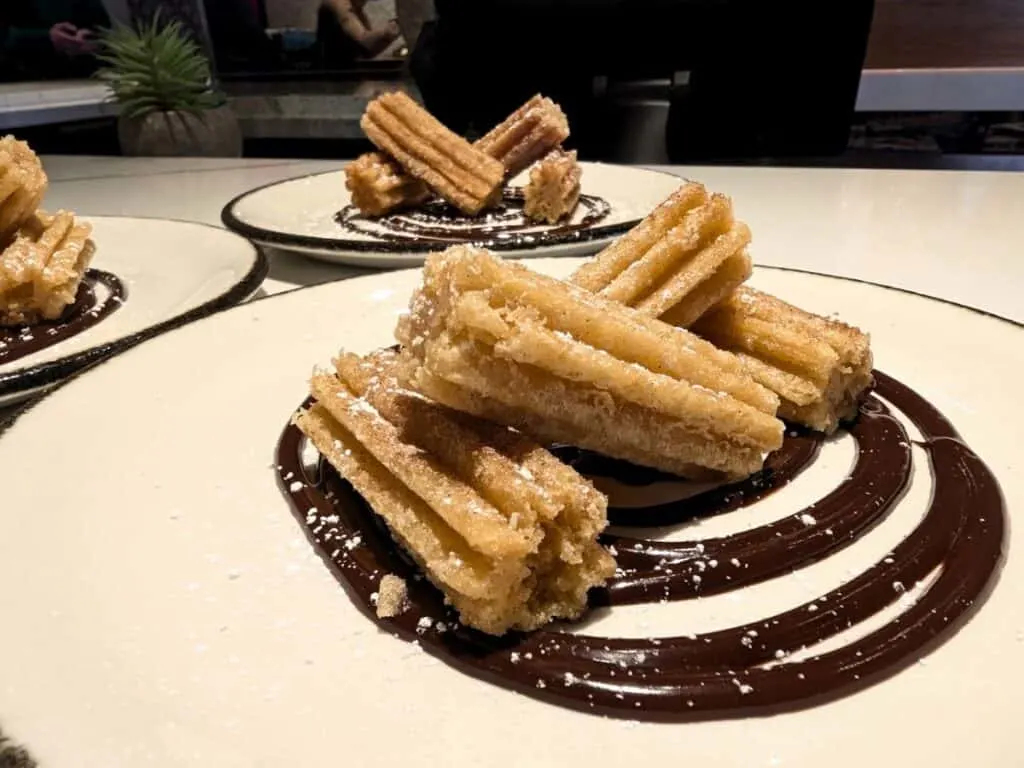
x,y
213,133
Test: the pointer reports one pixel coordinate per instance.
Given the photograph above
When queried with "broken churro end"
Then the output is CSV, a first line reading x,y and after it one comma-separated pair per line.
x,y
553,189
379,186
392,596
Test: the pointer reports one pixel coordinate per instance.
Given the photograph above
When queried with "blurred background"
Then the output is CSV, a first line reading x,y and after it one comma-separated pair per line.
x,y
901,83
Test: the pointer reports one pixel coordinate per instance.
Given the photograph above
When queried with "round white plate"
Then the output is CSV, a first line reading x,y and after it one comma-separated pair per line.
x,y
173,272
298,215
162,606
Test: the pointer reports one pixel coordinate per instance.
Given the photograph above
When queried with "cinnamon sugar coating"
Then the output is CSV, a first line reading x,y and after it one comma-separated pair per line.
x,y
42,268
506,531
495,339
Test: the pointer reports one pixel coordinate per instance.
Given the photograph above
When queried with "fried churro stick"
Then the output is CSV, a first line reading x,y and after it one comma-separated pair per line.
x,y
497,340
41,269
526,135
378,185
819,367
22,185
554,188
464,176
686,256
504,529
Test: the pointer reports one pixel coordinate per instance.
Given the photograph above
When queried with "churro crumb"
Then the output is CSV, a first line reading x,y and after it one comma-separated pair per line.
x,y
392,596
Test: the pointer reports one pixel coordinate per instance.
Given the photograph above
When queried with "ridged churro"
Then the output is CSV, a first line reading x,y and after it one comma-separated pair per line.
x,y
379,186
563,365
506,531
527,135
553,189
22,185
686,256
465,176
41,269
819,367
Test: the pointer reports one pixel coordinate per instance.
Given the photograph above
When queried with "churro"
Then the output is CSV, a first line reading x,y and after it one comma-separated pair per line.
x,y
465,176
553,189
22,185
686,256
527,135
379,186
41,269
495,339
819,367
506,531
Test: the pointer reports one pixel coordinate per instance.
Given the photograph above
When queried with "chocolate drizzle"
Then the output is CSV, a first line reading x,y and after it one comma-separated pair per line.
x,y
743,669
87,310
436,222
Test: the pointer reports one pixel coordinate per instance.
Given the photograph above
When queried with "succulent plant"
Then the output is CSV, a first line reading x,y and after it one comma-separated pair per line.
x,y
156,67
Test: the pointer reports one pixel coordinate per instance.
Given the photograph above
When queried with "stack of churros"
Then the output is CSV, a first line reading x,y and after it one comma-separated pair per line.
x,y
653,352
506,531
418,156
686,263
496,340
43,258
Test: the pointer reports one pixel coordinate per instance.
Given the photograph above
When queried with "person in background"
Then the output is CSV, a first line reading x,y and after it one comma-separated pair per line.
x,y
41,39
470,79
345,34
238,37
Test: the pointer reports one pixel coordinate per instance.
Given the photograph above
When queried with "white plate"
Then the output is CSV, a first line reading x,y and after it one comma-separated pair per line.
x,y
173,272
298,215
162,606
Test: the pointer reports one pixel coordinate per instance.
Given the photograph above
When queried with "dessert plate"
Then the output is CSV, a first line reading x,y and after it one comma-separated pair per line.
x,y
165,608
312,215
148,275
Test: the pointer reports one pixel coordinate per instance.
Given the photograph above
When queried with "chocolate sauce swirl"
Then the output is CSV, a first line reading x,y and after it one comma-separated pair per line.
x,y
87,310
743,669
438,223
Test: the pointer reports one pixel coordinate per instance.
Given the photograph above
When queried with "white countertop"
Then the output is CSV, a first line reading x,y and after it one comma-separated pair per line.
x,y
950,234
54,101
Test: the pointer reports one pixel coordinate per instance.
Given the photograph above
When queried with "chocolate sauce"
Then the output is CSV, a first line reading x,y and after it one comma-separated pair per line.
x,y
87,310
743,669
436,222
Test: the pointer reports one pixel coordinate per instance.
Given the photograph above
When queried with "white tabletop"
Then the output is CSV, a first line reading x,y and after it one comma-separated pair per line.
x,y
53,101
950,234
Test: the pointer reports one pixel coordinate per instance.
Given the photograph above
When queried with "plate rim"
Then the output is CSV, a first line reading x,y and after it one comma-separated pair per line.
x,y
291,240
56,372
34,401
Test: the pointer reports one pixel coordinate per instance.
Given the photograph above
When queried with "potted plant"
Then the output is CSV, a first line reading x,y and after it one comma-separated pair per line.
x,y
161,79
